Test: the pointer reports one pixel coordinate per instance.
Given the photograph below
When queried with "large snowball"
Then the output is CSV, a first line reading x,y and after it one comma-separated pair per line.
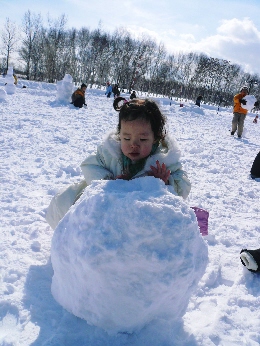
x,y
126,253
10,88
2,95
250,101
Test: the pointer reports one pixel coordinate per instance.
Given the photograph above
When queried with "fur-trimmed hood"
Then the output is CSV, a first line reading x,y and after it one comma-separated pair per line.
x,y
167,152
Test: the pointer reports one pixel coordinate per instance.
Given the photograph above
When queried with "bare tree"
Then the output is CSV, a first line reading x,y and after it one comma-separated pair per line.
x,y
156,75
69,54
100,56
123,49
31,27
83,55
141,60
9,40
54,42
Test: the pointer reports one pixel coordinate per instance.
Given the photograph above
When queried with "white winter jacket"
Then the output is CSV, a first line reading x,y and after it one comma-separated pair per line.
x,y
107,163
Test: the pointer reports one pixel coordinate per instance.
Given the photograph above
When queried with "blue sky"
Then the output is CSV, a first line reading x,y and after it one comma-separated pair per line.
x,y
228,29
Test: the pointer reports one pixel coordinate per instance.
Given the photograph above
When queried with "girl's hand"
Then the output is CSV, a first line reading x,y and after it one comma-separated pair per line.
x,y
160,172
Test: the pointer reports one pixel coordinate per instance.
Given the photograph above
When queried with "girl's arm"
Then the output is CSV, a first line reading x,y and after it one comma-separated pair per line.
x,y
180,181
94,167
93,170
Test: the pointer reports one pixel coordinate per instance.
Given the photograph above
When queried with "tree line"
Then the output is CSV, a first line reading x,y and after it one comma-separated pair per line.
x,y
47,52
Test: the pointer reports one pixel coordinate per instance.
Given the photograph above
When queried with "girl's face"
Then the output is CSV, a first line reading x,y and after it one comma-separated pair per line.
x,y
137,139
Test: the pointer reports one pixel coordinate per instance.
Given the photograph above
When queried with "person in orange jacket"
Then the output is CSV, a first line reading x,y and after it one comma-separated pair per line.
x,y
239,113
78,97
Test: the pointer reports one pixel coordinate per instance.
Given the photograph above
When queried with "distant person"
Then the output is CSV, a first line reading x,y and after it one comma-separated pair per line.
x,y
255,120
239,113
133,95
256,105
116,91
198,100
108,90
255,169
15,79
220,100
78,97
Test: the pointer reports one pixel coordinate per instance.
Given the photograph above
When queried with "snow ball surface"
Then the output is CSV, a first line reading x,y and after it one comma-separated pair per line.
x,y
127,253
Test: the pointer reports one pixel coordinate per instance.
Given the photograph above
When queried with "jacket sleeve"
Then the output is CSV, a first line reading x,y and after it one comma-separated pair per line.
x,y
237,100
62,201
94,167
180,181
237,105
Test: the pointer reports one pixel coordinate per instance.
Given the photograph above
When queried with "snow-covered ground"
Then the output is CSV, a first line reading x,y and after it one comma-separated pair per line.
x,y
43,142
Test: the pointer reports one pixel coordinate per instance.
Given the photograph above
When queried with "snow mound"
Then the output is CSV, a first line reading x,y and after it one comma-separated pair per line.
x,y
193,109
65,89
126,253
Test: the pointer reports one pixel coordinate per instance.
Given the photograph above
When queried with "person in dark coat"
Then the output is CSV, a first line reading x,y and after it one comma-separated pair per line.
x,y
78,97
133,95
198,100
255,169
255,120
116,91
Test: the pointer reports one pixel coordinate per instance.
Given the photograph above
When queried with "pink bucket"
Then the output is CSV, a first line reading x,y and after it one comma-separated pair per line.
x,y
202,218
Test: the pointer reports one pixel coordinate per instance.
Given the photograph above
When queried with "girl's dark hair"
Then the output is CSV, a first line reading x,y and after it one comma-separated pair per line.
x,y
144,109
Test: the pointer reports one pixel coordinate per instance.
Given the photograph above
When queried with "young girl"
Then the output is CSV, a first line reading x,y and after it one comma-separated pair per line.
x,y
139,147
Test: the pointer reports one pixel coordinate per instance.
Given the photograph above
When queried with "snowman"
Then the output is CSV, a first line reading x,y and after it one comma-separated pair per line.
x,y
10,87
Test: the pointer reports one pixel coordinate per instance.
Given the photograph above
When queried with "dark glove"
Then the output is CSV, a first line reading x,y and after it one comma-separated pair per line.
x,y
243,101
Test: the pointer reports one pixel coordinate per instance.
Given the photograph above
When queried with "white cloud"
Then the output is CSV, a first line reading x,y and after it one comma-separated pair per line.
x,y
236,40
239,29
187,37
